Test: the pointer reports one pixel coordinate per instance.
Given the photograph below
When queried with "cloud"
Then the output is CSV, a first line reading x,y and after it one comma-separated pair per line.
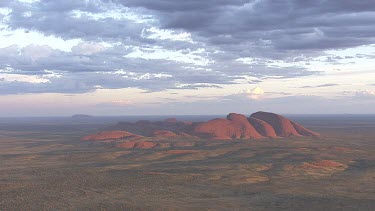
x,y
85,48
196,86
95,65
321,85
365,94
288,25
117,103
54,19
199,44
256,94
5,3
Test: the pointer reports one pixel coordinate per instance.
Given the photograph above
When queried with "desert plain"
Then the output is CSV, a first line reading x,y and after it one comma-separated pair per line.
x,y
45,165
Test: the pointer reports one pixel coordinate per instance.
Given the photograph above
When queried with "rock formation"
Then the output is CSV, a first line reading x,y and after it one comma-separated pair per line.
x,y
282,126
105,135
236,126
146,134
164,134
137,145
303,131
263,127
147,128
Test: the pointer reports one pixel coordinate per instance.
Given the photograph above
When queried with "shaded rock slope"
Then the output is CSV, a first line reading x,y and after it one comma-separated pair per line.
x,y
146,134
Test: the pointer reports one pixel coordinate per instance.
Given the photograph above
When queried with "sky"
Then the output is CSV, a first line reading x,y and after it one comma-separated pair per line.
x,y
186,57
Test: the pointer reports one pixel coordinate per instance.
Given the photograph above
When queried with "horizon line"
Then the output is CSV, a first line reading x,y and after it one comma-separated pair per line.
x,y
155,115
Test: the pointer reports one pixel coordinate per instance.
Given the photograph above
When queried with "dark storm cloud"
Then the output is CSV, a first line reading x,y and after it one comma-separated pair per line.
x,y
283,25
288,25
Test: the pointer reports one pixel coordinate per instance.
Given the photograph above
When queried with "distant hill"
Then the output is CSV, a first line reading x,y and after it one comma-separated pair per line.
x,y
81,116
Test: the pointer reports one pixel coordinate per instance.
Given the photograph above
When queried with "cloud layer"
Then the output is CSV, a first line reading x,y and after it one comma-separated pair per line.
x,y
159,44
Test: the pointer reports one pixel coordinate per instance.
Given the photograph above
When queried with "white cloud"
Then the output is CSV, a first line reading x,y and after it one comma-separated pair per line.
x,y
365,93
256,94
22,78
163,34
35,52
115,103
196,57
23,38
88,48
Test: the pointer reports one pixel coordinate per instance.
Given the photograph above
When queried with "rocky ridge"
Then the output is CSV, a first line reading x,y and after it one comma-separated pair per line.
x,y
146,134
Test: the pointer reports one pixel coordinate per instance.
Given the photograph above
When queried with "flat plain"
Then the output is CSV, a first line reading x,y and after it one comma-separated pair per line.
x,y
45,166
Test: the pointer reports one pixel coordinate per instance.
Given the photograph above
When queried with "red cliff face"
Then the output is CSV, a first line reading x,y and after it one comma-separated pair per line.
x,y
214,129
263,127
282,126
243,126
235,126
303,131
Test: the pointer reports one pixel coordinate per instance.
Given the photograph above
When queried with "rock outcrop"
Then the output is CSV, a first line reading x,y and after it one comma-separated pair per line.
x,y
236,126
214,129
303,131
147,134
164,134
247,131
263,127
147,128
282,126
105,135
137,145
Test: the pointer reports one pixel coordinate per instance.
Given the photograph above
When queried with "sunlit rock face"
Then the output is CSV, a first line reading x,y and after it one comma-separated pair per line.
x,y
235,126
304,131
263,127
282,126
172,132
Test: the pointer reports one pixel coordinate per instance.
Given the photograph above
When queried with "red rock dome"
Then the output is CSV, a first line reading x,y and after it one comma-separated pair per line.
x,y
262,127
282,126
304,131
235,126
